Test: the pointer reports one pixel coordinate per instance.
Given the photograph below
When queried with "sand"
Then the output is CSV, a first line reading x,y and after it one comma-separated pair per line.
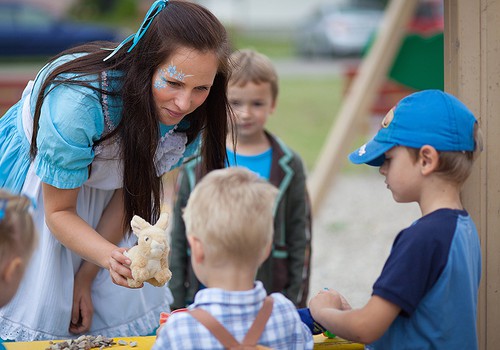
x,y
353,234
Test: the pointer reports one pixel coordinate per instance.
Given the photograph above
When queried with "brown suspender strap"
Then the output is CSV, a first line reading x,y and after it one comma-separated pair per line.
x,y
223,335
214,327
259,324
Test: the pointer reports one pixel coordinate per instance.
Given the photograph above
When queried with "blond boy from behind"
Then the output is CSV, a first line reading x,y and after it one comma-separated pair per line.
x,y
229,225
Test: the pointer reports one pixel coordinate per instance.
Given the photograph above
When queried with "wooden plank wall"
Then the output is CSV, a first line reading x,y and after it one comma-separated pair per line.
x,y
472,73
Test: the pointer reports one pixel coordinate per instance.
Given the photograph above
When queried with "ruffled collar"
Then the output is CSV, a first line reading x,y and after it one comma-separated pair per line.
x,y
171,147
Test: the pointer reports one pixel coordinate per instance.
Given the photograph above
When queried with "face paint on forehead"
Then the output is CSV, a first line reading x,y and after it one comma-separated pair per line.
x,y
172,72
177,74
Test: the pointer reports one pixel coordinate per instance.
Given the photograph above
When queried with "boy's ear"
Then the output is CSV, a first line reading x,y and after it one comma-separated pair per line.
x,y
273,106
197,251
266,253
12,269
428,158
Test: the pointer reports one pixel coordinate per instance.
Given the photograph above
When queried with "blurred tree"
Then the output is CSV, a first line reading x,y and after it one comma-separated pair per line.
x,y
106,6
123,11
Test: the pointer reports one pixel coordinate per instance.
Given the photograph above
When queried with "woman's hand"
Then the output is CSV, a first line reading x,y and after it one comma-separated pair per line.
x,y
119,268
83,309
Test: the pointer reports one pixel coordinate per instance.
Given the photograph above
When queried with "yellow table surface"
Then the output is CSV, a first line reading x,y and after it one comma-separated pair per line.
x,y
145,343
322,342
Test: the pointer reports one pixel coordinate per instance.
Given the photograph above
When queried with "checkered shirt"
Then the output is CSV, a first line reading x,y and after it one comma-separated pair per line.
x,y
236,311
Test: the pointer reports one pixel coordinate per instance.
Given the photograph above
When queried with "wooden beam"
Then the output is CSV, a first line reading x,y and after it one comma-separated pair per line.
x,y
472,73
372,73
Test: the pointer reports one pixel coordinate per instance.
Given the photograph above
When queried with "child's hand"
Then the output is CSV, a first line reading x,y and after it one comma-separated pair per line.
x,y
345,303
119,267
328,299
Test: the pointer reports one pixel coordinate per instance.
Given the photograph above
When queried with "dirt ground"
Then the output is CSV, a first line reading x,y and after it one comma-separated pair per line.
x,y
353,233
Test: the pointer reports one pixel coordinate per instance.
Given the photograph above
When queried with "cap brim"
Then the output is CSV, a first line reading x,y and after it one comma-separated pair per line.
x,y
371,153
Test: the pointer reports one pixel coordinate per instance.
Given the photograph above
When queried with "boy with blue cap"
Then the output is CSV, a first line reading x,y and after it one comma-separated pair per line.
x,y
426,295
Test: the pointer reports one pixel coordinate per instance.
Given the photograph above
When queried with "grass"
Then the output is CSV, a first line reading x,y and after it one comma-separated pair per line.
x,y
305,113
277,46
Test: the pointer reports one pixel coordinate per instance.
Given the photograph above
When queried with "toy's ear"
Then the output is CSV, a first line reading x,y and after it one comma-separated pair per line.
x,y
138,224
162,222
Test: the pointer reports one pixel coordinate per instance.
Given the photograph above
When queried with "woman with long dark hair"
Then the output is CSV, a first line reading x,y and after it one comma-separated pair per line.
x,y
88,142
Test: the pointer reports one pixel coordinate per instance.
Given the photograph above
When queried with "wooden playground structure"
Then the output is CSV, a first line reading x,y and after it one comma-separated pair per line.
x,y
472,73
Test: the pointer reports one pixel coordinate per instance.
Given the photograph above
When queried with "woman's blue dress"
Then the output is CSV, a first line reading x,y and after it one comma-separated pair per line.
x,y
72,119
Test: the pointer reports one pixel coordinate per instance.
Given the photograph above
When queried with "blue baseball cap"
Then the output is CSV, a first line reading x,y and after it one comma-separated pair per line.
x,y
429,117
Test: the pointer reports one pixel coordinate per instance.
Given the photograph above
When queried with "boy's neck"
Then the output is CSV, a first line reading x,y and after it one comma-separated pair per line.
x,y
440,195
249,146
230,278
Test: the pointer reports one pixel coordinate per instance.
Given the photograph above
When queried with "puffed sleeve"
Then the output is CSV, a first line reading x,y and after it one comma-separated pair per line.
x,y
71,120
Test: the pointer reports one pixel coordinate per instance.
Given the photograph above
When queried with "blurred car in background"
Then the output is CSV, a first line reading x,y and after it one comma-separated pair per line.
x,y
428,18
338,29
29,30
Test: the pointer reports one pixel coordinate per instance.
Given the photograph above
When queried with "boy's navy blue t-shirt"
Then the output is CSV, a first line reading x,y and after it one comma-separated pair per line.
x,y
433,275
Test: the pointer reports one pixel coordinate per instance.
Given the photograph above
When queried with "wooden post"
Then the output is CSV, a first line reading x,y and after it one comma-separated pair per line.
x,y
472,73
372,73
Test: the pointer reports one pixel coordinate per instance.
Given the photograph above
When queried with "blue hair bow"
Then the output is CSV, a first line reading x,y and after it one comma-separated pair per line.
x,y
155,9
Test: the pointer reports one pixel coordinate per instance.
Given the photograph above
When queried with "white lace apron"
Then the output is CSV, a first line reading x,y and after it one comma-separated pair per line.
x,y
42,306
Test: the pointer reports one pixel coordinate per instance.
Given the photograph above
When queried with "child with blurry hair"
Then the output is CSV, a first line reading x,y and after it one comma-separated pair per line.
x,y
426,295
17,241
229,226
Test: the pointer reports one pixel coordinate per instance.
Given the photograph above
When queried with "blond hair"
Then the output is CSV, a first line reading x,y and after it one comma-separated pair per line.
x,y
252,66
231,211
17,231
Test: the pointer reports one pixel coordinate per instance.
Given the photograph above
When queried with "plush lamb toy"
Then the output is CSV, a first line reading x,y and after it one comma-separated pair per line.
x,y
150,255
